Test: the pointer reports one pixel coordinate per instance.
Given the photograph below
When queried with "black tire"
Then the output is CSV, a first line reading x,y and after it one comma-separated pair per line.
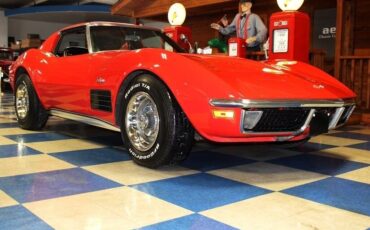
x,y
175,133
292,144
35,116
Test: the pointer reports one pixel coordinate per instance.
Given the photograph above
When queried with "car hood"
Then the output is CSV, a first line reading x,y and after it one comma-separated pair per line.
x,y
273,80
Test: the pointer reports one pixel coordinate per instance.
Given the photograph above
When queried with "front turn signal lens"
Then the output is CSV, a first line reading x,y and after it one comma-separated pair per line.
x,y
223,114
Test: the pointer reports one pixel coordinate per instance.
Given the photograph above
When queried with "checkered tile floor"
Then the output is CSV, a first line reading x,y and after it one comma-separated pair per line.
x,y
72,176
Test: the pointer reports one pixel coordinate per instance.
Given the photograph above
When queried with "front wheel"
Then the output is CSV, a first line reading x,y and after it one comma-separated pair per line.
x,y
30,113
154,129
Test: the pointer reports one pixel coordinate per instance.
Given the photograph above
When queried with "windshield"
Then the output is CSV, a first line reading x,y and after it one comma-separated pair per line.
x,y
129,38
6,55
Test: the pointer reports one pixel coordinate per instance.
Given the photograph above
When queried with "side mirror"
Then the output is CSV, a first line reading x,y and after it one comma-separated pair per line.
x,y
71,51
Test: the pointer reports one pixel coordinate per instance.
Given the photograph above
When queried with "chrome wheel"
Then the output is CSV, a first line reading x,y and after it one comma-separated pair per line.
x,y
142,121
22,101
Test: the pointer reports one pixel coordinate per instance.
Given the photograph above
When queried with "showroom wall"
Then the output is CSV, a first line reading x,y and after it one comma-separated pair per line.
x,y
3,30
19,28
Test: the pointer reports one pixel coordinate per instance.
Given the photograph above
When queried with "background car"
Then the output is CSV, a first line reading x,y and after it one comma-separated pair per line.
x,y
137,81
6,59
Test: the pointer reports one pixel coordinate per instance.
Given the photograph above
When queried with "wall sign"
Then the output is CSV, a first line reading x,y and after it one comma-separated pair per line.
x,y
324,31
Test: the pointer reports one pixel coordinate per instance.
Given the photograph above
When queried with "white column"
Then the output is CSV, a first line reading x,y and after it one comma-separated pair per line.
x,y
3,29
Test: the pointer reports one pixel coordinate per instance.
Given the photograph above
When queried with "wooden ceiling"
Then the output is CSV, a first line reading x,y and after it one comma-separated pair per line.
x,y
153,8
159,8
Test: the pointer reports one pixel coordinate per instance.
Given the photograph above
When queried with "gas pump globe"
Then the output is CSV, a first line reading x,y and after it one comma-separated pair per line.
x,y
290,32
290,5
180,34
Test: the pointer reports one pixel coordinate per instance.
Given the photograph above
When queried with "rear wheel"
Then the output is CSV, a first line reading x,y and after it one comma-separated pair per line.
x,y
154,128
30,113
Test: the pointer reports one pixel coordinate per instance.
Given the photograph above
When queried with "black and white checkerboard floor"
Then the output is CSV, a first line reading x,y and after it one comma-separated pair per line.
x,y
73,176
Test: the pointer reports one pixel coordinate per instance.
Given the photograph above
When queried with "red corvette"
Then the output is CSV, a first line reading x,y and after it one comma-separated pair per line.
x,y
137,81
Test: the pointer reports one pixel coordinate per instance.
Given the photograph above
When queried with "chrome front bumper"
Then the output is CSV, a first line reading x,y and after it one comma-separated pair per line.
x,y
342,110
248,104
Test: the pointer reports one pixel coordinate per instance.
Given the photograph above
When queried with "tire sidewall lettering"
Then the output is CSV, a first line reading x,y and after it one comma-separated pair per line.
x,y
143,85
144,157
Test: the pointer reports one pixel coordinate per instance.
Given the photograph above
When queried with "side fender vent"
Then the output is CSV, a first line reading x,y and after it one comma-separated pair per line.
x,y
101,100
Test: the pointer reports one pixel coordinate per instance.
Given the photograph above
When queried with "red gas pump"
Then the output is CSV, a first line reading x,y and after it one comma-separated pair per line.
x,y
290,36
237,47
180,34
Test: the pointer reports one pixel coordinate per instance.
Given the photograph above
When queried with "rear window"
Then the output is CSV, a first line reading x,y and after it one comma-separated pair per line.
x,y
129,38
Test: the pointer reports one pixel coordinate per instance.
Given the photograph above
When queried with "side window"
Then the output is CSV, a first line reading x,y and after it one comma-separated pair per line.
x,y
73,42
107,38
152,42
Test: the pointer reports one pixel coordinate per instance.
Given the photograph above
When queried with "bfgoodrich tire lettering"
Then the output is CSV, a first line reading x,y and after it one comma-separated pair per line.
x,y
154,128
30,113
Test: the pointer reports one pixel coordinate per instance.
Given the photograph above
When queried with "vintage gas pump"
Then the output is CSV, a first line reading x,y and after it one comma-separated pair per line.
x,y
180,34
290,32
237,47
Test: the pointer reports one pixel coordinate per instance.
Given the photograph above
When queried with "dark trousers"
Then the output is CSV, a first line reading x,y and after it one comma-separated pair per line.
x,y
254,49
251,50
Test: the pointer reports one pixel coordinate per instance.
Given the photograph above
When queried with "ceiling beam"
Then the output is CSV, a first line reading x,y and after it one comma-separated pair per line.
x,y
108,2
142,9
127,7
34,3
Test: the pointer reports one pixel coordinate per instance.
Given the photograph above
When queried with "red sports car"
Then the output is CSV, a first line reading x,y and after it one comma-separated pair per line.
x,y
135,80
6,59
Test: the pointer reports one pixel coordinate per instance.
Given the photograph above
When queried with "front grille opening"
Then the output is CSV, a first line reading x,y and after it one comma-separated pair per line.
x,y
330,112
281,120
